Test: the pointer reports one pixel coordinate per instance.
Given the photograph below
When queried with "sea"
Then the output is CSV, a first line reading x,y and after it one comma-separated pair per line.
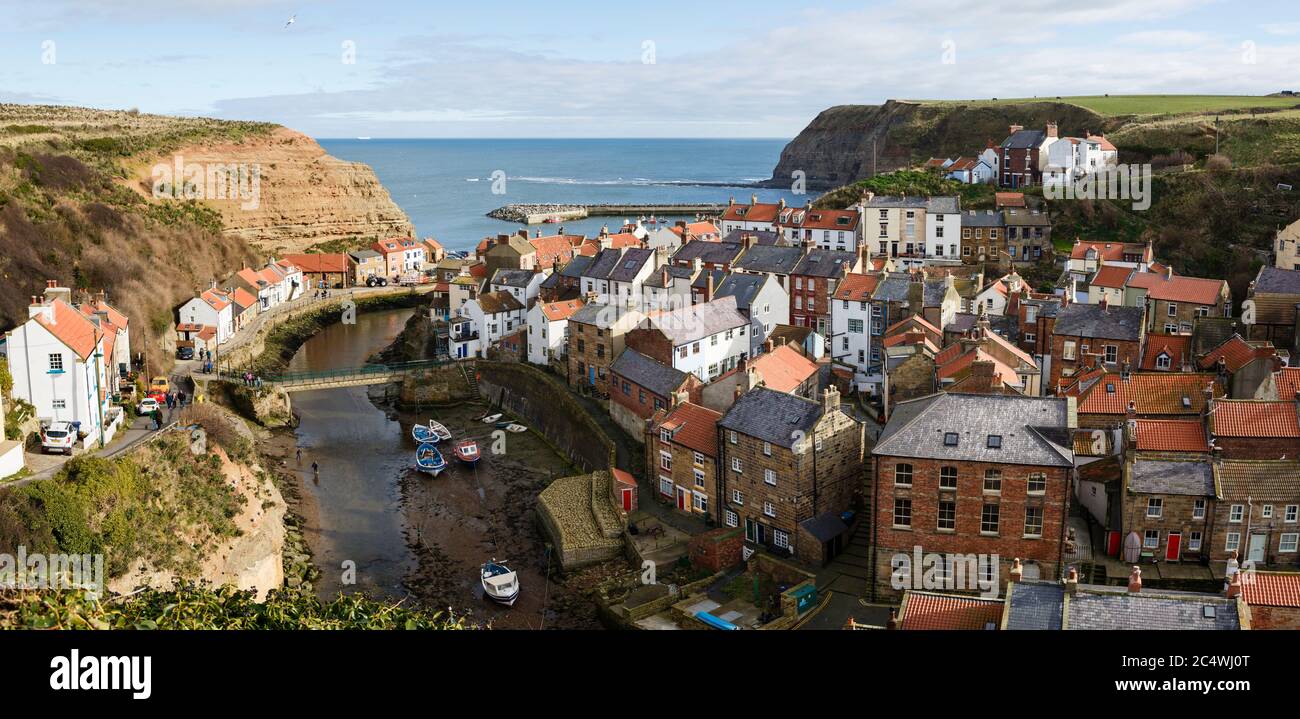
x,y
447,187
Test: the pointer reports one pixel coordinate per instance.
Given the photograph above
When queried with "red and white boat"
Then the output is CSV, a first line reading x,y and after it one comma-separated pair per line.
x,y
466,451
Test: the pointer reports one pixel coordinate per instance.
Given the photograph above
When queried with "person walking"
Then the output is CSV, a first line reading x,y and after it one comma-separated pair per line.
x,y
300,455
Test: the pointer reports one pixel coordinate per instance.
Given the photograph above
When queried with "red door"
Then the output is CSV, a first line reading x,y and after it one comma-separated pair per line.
x,y
1112,544
681,499
1171,553
627,500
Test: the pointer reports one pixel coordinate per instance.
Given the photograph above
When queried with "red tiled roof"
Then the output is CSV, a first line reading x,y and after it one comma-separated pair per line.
x,y
759,212
963,362
1194,290
188,327
1236,353
694,427
1254,418
71,327
114,316
555,311
698,229
1152,392
622,477
857,286
1108,251
1112,276
624,239
555,248
243,297
1101,140
1271,589
320,262
1009,199
1287,380
1172,435
922,610
1178,347
784,369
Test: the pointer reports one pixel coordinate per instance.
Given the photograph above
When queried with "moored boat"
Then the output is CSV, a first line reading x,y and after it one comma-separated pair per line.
x,y
440,430
429,459
500,583
491,418
466,451
514,427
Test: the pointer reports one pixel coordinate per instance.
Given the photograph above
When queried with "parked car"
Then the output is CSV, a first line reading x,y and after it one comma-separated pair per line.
x,y
59,437
159,385
147,405
185,353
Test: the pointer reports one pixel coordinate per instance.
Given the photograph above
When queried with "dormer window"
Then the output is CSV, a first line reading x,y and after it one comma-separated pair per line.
x,y
950,439
995,441
1187,402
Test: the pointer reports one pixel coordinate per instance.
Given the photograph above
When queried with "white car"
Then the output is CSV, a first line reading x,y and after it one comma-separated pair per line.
x,y
147,405
58,437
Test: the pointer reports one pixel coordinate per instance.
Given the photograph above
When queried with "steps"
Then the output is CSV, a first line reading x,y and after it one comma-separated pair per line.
x,y
470,380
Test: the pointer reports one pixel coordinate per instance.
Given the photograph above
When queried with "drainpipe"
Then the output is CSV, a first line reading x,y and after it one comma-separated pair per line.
x,y
875,525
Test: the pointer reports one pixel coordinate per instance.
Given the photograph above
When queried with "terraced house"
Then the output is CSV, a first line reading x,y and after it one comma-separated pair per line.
x,y
1257,515
1095,336
790,466
1174,303
825,229
597,335
912,230
814,282
968,474
682,451
1269,311
706,340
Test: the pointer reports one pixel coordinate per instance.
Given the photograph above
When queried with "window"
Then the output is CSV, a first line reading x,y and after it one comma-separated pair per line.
x,y
903,475
699,478
1155,507
950,439
1112,353
902,512
1198,509
780,539
665,435
732,437
855,326
665,460
1266,511
989,519
995,441
731,518
1235,513
767,449
769,509
947,515
665,486
947,478
699,458
1292,510
993,481
1287,542
769,476
1194,542
1233,542
1151,539
1067,351
737,497
1173,310
56,362
735,464
1033,521
60,403
1162,361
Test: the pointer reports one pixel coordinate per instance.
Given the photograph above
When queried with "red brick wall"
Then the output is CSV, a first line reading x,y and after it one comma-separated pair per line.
x,y
717,549
1258,447
1274,617
1132,351
651,343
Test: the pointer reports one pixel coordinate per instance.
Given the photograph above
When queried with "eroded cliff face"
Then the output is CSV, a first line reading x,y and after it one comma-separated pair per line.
x,y
304,196
847,143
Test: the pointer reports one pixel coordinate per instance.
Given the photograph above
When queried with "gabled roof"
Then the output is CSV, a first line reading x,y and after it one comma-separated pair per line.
x,y
1275,280
772,416
319,262
1272,589
717,253
496,302
1108,251
1177,347
115,316
693,322
1171,435
757,212
777,259
694,427
512,278
1193,290
784,368
930,611
1157,476
1236,353
1111,277
1100,322
70,327
857,286
1287,381
1254,418
944,204
918,429
556,311
1153,393
826,263
743,287
1263,480
649,373
1024,139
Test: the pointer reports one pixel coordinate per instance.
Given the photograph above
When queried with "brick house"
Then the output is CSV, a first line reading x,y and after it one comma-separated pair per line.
x,y
565,282
973,474
1028,236
1168,504
1095,335
1022,154
813,283
1273,598
596,338
1257,515
786,460
1255,429
1175,303
1036,315
682,452
641,386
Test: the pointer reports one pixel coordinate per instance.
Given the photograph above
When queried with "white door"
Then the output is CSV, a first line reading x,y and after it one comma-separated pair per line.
x,y
1257,544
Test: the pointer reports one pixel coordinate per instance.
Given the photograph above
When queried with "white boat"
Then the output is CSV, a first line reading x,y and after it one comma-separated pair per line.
x,y
440,430
516,428
500,583
491,418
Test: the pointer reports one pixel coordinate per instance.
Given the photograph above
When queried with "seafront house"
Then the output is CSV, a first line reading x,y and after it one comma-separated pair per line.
x,y
548,330
682,451
825,229
851,329
790,467
401,255
212,308
60,361
754,216
912,230
495,315
329,270
597,335
640,386
706,340
985,474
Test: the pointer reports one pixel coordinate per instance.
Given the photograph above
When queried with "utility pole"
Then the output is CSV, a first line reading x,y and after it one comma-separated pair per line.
x,y
1216,134
99,365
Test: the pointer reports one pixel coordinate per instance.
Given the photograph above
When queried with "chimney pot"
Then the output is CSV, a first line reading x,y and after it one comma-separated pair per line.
x,y
1234,586
1135,580
1072,582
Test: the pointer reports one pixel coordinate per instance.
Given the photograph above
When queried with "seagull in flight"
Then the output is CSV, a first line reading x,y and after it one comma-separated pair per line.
x,y
291,19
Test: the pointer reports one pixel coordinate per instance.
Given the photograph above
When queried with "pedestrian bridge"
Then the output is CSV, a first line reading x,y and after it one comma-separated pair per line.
x,y
370,374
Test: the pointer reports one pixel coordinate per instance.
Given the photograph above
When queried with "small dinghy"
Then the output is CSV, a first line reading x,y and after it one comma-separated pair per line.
x,y
466,451
503,424
500,583
424,434
491,418
440,430
512,427
428,459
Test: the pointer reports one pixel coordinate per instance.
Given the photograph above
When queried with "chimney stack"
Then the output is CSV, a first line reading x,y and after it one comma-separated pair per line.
x,y
1234,586
1051,129
1072,582
1017,572
1135,580
830,398
1014,129
708,286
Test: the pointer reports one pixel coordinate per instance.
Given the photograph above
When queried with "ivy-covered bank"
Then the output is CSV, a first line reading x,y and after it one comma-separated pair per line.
x,y
283,342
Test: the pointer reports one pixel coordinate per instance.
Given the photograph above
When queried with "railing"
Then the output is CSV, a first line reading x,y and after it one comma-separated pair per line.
x,y
370,370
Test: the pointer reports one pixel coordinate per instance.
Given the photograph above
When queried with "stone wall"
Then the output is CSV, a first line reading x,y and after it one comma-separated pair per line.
x,y
441,385
547,406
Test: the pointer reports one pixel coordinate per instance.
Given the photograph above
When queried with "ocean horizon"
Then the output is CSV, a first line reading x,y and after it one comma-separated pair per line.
x,y
446,185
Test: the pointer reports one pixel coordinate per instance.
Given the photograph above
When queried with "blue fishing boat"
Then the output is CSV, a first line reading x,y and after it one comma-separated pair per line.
x,y
431,433
429,459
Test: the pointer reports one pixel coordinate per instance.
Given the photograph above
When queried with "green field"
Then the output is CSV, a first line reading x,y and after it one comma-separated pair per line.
x,y
1116,105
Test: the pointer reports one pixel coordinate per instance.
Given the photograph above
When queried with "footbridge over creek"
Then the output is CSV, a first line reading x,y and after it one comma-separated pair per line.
x,y
370,374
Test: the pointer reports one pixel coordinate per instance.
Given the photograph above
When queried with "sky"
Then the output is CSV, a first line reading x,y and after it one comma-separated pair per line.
x,y
668,68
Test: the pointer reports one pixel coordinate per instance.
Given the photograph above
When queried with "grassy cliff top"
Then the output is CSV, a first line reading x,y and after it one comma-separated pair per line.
x,y
1122,105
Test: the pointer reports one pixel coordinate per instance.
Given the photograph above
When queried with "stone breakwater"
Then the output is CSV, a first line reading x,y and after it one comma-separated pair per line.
x,y
532,214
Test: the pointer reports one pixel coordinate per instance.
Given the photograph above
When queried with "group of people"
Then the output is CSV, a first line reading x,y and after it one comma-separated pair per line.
x,y
174,399
252,380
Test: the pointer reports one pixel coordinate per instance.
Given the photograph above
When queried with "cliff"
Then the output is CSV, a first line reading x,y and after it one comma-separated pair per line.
x,y
852,142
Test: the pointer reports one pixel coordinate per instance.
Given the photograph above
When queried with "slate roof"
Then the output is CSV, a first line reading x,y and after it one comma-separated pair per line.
x,y
688,324
630,264
602,264
1194,479
1024,139
825,526
1262,480
893,287
649,373
981,218
769,258
932,611
918,427
947,204
741,286
761,237
576,266
772,416
1274,280
1035,606
825,263
1098,322
718,253
596,314
512,278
